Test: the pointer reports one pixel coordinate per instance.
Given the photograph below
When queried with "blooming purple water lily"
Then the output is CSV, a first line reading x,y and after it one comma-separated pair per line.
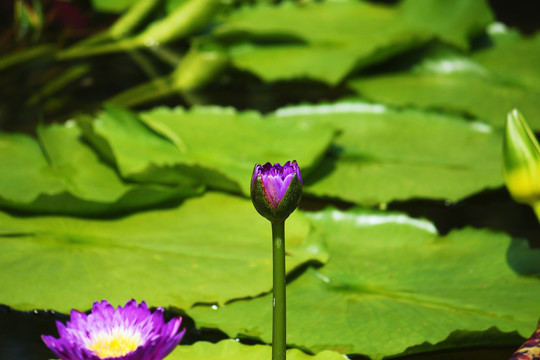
x,y
131,332
276,190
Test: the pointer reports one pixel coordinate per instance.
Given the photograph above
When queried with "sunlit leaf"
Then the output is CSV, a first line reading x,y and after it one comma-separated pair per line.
x,y
230,349
216,146
322,41
487,86
174,257
483,99
26,172
513,60
232,142
59,173
392,283
452,22
327,40
382,154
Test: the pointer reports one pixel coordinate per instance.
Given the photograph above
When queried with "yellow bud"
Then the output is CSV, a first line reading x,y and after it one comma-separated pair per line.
x,y
521,160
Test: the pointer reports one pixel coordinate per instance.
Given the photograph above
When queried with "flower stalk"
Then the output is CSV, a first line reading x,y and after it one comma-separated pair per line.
x,y
276,191
279,321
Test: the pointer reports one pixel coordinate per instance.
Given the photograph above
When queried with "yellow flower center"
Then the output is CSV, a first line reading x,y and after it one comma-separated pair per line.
x,y
115,343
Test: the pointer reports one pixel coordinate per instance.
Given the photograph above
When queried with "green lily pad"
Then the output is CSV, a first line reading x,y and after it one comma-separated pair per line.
x,y
392,283
486,86
230,349
322,41
210,249
59,173
120,137
481,98
327,40
451,22
145,156
210,145
383,155
233,143
26,170
513,59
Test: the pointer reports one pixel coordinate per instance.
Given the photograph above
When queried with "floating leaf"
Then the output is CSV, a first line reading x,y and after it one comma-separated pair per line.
x,y
230,349
383,155
486,86
484,99
26,170
392,283
513,59
452,22
60,174
216,146
322,41
201,251
233,142
327,40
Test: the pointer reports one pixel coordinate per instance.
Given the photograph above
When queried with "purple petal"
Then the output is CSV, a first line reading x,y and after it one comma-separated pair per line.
x,y
272,184
157,339
285,185
276,179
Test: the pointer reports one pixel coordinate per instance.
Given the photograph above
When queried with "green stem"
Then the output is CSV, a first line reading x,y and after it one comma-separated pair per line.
x,y
279,320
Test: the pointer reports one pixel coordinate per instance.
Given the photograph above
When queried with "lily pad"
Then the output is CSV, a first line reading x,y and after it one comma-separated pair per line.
x,y
327,40
26,170
485,86
513,59
392,283
201,251
383,154
453,23
59,173
120,137
230,349
211,145
484,99
321,41
233,142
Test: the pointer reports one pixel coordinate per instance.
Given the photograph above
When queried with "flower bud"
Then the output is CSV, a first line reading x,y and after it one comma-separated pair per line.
x,y
276,190
521,160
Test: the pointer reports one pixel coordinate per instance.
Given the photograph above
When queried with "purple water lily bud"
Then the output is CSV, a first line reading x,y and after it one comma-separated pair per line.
x,y
276,190
131,332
